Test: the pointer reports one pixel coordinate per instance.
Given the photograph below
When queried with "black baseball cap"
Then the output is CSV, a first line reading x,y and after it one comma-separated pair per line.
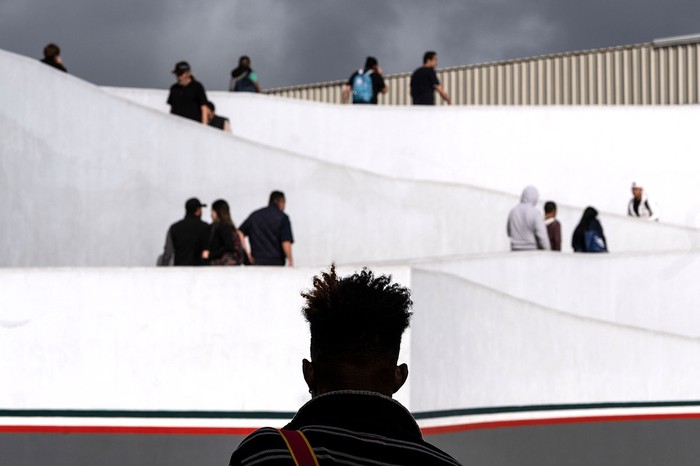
x,y
181,67
193,204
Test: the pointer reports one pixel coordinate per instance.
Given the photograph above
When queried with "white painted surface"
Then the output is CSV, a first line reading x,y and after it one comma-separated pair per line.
x,y
482,347
575,155
656,292
233,338
222,339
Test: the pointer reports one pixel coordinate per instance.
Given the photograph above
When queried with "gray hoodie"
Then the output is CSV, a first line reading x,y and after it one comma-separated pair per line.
x,y
526,227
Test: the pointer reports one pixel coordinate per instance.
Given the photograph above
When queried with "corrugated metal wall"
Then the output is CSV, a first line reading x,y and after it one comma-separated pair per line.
x,y
641,74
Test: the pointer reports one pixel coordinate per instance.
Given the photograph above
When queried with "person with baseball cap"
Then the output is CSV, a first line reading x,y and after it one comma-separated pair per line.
x,y
187,238
639,206
187,96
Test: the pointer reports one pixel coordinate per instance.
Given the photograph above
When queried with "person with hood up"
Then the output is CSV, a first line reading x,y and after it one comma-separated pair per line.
x,y
588,235
526,228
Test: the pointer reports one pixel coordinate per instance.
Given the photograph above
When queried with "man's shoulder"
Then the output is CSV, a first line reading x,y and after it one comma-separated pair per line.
x,y
190,222
424,70
266,444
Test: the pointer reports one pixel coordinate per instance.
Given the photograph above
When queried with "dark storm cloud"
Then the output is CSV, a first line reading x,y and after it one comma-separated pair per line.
x,y
135,43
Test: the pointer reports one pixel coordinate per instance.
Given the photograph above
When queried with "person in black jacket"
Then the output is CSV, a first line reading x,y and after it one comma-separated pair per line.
x,y
184,240
588,235
225,245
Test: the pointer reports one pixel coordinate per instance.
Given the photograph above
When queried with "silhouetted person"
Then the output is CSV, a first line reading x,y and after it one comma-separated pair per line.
x,y
52,57
365,84
186,239
553,225
187,96
356,324
588,235
243,78
270,233
424,82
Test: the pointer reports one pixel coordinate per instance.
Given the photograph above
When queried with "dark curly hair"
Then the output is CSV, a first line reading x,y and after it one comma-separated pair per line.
x,y
356,320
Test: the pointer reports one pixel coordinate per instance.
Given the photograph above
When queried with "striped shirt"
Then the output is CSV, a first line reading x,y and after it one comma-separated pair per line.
x,y
347,428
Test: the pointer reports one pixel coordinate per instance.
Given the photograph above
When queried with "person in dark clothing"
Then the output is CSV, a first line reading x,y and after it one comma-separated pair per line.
x,y
224,246
361,92
217,121
424,82
185,239
270,233
243,78
187,96
588,235
52,57
356,324
553,225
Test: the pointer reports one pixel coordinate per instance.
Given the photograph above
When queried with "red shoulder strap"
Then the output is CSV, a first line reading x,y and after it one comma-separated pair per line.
x,y
299,447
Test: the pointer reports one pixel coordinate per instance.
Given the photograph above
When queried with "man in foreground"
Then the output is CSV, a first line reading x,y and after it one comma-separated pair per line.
x,y
185,239
270,233
356,325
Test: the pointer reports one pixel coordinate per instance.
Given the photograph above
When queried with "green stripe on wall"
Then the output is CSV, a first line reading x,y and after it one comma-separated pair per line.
x,y
288,415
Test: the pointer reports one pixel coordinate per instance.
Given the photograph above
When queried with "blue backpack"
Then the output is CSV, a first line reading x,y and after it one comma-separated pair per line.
x,y
362,87
243,83
594,242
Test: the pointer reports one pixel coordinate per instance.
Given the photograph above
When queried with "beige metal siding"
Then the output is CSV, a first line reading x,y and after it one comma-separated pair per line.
x,y
631,75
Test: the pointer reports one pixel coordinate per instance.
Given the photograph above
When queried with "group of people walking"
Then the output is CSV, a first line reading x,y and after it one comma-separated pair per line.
x,y
529,230
187,97
193,242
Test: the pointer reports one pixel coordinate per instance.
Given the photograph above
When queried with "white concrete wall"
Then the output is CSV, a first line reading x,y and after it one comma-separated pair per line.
x,y
481,347
575,155
655,292
222,339
233,338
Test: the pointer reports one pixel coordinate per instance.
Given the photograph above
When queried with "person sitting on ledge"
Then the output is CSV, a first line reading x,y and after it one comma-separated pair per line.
x,y
356,324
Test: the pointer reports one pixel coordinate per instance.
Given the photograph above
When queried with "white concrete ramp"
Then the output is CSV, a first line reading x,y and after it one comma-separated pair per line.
x,y
90,179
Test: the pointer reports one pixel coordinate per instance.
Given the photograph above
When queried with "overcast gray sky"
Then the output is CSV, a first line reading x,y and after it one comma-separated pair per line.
x,y
135,43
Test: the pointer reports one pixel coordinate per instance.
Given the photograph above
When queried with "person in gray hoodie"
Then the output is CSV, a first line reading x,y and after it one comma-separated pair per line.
x,y
526,228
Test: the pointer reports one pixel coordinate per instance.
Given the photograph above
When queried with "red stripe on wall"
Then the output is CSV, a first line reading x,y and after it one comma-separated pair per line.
x,y
151,430
555,421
